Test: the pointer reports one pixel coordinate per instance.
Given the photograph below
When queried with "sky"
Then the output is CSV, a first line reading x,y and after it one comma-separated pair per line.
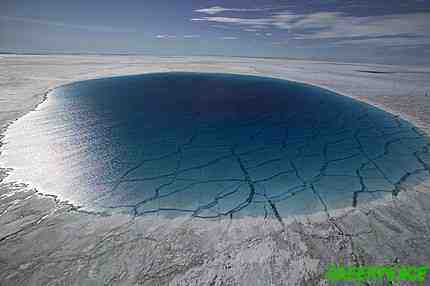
x,y
373,31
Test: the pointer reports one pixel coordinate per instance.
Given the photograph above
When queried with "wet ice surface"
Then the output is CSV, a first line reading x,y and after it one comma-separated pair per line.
x,y
211,145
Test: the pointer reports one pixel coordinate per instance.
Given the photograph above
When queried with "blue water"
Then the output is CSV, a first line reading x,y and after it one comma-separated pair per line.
x,y
210,145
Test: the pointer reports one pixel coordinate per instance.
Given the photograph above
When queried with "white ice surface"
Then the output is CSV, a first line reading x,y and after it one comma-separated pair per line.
x,y
44,242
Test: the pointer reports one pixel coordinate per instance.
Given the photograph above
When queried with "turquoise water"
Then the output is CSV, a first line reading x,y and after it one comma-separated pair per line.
x,y
210,145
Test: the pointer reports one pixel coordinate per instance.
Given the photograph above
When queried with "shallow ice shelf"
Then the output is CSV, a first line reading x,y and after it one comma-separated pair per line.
x,y
210,145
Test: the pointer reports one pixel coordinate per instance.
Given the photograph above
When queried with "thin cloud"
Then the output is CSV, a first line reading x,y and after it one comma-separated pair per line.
x,y
395,30
218,9
165,37
92,28
170,37
339,25
332,25
229,38
250,30
281,20
394,40
233,20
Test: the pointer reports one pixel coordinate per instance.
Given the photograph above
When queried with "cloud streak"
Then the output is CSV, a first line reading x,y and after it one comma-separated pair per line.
x,y
333,25
219,9
165,36
238,21
171,37
340,25
191,36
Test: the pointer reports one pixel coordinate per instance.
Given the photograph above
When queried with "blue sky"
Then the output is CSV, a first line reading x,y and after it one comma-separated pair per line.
x,y
395,32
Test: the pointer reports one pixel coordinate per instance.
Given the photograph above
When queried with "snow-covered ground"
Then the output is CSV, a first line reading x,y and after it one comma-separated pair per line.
x,y
45,242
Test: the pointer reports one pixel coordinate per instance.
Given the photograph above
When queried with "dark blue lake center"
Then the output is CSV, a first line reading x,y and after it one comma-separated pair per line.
x,y
210,145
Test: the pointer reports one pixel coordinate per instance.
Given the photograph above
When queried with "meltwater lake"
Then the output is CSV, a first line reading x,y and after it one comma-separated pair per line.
x,y
210,145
